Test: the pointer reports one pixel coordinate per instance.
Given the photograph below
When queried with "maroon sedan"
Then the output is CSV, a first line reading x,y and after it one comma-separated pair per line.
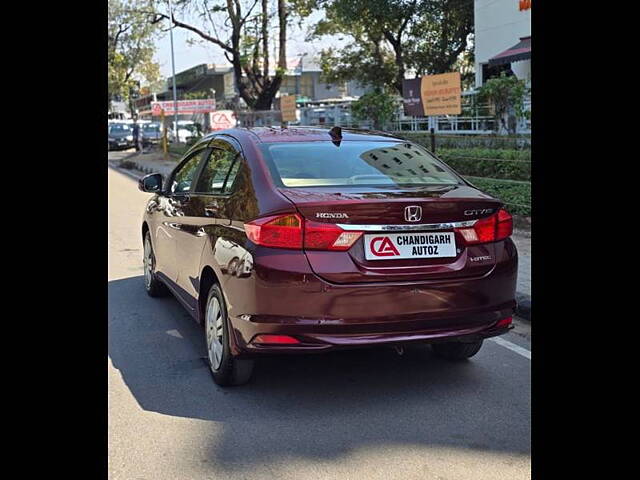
x,y
301,240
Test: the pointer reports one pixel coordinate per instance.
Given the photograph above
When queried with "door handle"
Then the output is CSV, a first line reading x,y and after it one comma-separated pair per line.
x,y
181,199
211,210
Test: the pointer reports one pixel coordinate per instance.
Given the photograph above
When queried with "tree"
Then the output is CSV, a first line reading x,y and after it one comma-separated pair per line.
x,y
197,95
130,49
507,95
242,31
390,37
377,105
439,35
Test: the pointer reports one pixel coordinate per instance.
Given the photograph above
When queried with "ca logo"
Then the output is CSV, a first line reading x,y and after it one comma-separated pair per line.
x,y
383,247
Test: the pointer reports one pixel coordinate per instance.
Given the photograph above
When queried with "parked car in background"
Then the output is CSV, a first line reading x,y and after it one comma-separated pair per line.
x,y
151,134
187,131
306,240
120,135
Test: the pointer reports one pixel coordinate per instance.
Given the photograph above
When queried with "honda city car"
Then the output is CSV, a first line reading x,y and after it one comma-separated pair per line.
x,y
300,240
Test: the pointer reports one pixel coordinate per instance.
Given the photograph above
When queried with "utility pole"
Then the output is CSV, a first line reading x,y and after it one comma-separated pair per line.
x,y
173,70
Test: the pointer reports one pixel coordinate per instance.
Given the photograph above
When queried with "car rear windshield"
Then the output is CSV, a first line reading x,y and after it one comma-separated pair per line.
x,y
362,163
152,127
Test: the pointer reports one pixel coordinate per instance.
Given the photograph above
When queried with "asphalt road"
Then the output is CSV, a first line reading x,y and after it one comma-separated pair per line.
x,y
368,414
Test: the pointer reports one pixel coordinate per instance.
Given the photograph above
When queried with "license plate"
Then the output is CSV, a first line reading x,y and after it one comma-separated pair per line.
x,y
390,246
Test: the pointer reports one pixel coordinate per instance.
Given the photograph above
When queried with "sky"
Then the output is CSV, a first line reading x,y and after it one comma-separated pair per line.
x,y
187,56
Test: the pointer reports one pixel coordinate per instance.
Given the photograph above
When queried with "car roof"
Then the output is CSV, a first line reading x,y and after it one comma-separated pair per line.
x,y
302,134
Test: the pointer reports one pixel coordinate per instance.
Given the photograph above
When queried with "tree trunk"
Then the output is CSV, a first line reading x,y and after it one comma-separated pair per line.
x,y
282,16
265,39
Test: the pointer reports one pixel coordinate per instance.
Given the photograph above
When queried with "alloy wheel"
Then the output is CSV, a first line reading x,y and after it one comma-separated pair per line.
x,y
214,333
148,262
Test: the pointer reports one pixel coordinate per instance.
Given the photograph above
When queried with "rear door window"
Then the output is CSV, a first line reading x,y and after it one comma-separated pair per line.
x,y
220,171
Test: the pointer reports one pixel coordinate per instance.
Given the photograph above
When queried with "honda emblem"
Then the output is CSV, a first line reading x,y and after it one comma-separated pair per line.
x,y
413,213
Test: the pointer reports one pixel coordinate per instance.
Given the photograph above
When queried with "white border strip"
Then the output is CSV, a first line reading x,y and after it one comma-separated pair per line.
x,y
512,346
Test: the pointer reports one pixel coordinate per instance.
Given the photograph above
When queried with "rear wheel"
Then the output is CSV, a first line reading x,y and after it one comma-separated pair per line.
x,y
153,286
456,350
225,368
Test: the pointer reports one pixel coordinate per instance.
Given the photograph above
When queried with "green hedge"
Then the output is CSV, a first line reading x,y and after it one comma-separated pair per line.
x,y
517,195
492,163
520,142
178,149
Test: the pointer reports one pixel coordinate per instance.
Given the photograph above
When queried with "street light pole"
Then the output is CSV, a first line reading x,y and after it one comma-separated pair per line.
x,y
173,70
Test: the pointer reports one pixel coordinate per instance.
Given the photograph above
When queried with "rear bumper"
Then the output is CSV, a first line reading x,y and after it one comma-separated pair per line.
x,y
320,341
281,295
327,317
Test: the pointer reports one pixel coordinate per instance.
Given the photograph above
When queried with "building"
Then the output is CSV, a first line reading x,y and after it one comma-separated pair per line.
x,y
118,111
302,79
305,81
502,39
208,79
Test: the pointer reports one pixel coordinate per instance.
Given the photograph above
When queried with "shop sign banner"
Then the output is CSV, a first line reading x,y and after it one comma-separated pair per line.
x,y
223,119
441,94
288,108
185,107
411,98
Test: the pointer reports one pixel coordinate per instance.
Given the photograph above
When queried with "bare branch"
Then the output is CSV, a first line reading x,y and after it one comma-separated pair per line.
x,y
246,17
197,31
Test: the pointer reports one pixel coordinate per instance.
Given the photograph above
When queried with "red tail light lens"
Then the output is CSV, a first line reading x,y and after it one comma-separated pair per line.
x,y
505,225
282,231
491,229
325,236
505,322
288,231
275,340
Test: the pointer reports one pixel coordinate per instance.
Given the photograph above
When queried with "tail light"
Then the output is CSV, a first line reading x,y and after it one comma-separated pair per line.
x,y
291,231
505,322
275,339
325,236
491,229
283,231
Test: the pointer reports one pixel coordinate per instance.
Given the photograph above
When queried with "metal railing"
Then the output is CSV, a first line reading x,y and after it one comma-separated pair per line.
x,y
476,118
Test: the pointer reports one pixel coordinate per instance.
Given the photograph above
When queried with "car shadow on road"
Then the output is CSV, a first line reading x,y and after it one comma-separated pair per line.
x,y
319,406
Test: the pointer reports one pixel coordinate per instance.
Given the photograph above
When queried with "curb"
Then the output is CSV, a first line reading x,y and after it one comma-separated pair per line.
x,y
523,306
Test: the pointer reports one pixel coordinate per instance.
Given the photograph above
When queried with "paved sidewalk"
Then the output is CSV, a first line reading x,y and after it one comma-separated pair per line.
x,y
151,162
154,162
523,243
522,239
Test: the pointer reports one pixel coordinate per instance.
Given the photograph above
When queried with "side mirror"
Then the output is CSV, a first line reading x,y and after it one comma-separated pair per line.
x,y
151,183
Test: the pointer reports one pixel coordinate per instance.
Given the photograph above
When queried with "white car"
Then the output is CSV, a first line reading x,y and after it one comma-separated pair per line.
x,y
186,131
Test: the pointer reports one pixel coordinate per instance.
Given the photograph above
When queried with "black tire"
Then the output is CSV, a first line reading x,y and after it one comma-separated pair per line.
x,y
153,286
456,350
231,370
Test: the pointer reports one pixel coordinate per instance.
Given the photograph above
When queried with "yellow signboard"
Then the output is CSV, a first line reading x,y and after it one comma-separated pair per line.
x,y
441,94
288,108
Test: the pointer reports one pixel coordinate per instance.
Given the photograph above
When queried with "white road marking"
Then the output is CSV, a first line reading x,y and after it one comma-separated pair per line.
x,y
512,346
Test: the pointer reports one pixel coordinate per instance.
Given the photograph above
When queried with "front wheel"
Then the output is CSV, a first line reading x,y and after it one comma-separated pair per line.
x,y
456,350
225,368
